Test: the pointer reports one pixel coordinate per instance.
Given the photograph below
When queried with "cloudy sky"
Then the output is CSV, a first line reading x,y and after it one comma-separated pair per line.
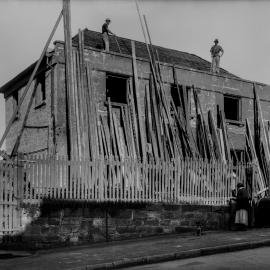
x,y
191,26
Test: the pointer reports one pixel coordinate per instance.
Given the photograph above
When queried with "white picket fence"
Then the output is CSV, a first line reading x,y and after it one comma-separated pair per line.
x,y
189,181
176,182
10,214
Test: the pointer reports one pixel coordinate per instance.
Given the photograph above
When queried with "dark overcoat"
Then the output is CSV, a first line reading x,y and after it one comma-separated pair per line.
x,y
242,199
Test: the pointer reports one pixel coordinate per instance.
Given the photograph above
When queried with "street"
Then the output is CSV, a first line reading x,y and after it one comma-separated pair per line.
x,y
251,259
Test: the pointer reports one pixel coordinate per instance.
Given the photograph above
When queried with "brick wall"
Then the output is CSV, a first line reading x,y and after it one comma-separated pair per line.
x,y
36,135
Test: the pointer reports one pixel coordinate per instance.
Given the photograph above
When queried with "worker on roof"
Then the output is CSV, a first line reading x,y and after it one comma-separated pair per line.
x,y
216,52
105,34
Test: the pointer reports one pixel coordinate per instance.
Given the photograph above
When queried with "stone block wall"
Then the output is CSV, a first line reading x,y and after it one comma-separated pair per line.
x,y
62,224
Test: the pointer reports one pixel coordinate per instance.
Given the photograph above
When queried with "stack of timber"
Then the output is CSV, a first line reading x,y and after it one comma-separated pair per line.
x,y
258,147
82,112
161,132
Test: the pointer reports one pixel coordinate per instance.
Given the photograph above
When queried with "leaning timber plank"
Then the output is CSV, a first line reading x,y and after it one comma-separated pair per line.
x,y
100,142
103,140
131,130
175,80
1,196
225,135
122,142
156,118
126,131
150,125
133,118
253,151
264,136
137,101
107,136
68,70
185,102
221,144
117,135
213,131
167,104
77,143
115,150
93,110
80,106
84,93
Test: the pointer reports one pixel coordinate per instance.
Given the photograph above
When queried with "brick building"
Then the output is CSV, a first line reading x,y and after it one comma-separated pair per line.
x,y
45,131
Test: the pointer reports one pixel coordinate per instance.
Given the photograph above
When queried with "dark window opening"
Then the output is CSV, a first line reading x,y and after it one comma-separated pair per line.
x,y
116,88
175,95
40,95
232,108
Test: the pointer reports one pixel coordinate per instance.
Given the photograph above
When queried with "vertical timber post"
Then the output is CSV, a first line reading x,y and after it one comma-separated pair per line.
x,y
19,192
68,66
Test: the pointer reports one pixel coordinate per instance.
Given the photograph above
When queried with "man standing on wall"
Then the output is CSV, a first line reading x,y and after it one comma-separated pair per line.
x,y
105,34
216,52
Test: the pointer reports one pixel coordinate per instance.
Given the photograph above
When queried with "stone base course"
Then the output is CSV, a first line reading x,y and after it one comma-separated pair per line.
x,y
61,224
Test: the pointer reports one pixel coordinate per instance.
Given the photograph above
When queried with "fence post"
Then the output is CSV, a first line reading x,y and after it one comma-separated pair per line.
x,y
20,177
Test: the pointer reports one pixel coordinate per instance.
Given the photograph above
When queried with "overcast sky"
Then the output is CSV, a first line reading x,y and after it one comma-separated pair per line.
x,y
191,26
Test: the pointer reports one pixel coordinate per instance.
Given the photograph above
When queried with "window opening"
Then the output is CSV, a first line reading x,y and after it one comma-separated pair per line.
x,y
232,108
116,88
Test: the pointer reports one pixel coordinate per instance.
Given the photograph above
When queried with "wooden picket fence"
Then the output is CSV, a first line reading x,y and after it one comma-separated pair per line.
x,y
181,181
175,182
10,212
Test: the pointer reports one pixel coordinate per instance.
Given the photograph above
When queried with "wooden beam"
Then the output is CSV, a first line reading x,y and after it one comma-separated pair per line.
x,y
68,66
137,101
261,183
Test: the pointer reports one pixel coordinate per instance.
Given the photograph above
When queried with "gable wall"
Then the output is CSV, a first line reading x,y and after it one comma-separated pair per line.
x,y
37,134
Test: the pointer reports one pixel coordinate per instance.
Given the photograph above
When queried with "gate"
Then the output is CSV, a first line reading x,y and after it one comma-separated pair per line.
x,y
10,212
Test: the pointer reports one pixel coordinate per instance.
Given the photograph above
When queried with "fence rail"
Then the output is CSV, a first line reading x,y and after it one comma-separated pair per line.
x,y
181,181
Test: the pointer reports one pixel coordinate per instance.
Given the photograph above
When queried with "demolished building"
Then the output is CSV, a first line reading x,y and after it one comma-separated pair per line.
x,y
47,128
140,125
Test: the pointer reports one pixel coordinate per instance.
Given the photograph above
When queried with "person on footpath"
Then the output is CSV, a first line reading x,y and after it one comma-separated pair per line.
x,y
105,34
242,207
232,201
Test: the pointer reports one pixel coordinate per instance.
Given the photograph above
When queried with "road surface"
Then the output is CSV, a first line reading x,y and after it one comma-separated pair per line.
x,y
252,259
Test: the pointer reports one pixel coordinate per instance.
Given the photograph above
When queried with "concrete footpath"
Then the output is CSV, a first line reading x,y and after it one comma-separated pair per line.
x,y
116,255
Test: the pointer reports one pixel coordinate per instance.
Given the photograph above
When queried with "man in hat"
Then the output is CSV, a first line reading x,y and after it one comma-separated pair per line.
x,y
216,52
105,34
